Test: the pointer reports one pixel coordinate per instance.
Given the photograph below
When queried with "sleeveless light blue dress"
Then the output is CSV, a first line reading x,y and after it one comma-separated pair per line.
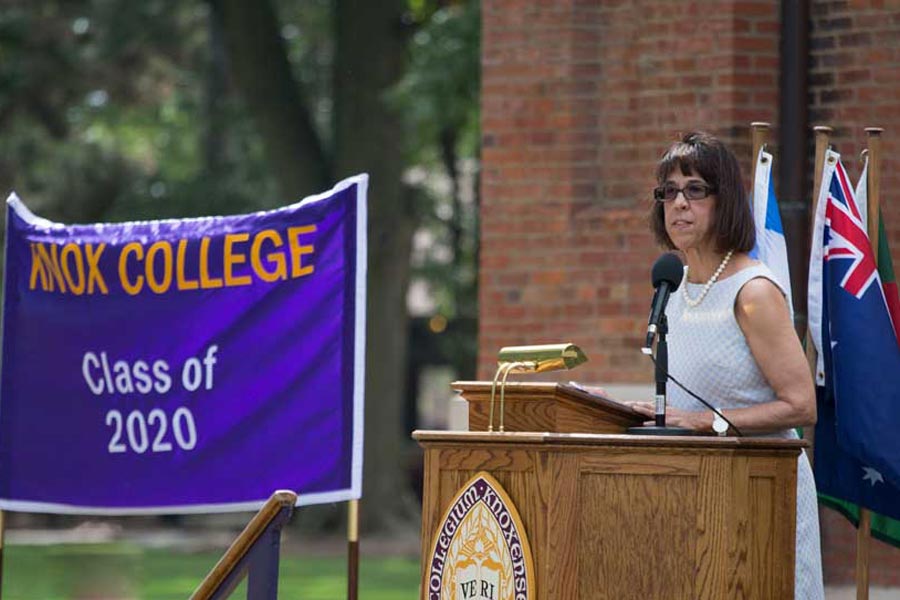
x,y
708,353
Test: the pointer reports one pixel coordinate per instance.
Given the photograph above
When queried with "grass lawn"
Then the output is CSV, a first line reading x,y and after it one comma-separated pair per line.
x,y
122,571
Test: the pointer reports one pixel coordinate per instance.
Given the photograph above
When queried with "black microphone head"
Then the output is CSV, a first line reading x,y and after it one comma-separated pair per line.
x,y
668,268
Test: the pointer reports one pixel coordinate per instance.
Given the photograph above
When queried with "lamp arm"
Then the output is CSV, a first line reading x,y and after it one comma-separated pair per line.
x,y
509,368
493,393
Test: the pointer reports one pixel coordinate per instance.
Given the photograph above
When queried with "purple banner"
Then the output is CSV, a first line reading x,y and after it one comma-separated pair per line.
x,y
192,365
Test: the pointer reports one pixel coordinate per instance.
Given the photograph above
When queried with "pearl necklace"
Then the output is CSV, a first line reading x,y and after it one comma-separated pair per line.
x,y
707,286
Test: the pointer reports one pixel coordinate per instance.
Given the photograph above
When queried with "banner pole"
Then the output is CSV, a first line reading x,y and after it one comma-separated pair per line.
x,y
2,536
353,550
864,530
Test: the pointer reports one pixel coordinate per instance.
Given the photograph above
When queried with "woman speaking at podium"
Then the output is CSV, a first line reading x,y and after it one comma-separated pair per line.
x,y
731,339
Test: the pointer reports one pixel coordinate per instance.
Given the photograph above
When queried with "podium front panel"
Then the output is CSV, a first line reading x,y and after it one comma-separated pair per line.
x,y
624,517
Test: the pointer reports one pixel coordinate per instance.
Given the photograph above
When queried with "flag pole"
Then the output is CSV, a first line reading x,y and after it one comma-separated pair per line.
x,y
864,530
353,550
759,136
823,136
863,535
873,141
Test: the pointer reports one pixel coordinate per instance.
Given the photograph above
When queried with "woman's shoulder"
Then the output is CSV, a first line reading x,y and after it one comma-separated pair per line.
x,y
744,269
755,285
760,289
760,297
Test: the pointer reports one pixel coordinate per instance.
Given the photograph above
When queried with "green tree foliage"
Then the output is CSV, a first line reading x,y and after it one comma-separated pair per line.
x,y
440,90
104,113
122,110
439,95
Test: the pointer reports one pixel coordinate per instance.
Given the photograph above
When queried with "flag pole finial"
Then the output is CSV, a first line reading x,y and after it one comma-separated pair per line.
x,y
873,141
759,135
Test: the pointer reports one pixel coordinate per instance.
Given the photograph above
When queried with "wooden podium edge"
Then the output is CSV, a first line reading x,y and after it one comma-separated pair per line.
x,y
606,439
542,390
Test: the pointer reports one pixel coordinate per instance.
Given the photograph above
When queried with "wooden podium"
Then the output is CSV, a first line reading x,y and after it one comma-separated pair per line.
x,y
616,516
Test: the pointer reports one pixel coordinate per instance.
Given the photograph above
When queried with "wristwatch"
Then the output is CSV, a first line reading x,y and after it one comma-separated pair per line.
x,y
719,424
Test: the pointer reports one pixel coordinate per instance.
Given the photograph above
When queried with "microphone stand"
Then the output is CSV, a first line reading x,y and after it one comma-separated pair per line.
x,y
662,371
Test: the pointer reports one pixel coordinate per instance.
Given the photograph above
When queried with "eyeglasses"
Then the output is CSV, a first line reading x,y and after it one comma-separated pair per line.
x,y
692,191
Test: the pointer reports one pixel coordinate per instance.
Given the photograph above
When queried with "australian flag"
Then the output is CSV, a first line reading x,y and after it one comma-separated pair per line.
x,y
857,443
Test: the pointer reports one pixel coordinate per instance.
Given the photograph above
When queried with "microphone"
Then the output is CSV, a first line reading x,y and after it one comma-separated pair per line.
x,y
666,275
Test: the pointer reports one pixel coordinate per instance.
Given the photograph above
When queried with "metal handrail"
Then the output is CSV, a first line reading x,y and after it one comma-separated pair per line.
x,y
250,554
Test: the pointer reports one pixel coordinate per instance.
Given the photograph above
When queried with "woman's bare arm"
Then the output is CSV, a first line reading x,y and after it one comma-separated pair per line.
x,y
763,316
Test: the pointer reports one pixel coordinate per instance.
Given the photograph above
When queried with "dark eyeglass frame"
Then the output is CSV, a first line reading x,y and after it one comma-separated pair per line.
x,y
694,190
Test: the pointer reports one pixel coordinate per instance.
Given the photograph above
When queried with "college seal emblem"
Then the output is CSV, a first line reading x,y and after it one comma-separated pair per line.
x,y
480,550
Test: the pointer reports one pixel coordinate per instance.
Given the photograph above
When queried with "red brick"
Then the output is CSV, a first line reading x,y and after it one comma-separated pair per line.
x,y
853,76
755,9
755,44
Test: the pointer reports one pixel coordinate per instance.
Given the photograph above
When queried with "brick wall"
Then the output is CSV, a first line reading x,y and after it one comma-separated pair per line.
x,y
855,83
579,100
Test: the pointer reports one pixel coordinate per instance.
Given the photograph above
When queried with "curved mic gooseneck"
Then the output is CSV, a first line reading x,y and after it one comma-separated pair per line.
x,y
698,398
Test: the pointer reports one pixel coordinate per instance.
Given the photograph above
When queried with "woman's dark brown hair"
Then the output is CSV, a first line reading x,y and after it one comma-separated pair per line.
x,y
701,153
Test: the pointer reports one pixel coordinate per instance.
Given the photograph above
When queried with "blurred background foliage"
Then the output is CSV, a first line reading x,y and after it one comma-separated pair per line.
x,y
118,110
114,110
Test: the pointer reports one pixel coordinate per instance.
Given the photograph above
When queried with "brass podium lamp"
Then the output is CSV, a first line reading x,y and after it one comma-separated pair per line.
x,y
531,359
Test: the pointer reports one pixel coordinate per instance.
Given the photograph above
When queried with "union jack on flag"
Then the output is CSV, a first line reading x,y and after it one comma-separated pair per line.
x,y
846,237
856,449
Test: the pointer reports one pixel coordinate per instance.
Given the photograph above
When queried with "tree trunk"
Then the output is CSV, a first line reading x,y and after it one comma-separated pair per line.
x,y
370,52
259,66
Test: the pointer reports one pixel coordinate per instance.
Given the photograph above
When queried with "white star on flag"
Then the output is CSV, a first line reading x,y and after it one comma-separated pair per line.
x,y
872,476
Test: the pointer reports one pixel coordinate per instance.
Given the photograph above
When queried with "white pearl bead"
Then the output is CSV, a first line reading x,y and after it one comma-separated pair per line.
x,y
707,286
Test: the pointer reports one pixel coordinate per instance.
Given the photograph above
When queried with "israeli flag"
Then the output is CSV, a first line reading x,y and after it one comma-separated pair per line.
x,y
771,248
